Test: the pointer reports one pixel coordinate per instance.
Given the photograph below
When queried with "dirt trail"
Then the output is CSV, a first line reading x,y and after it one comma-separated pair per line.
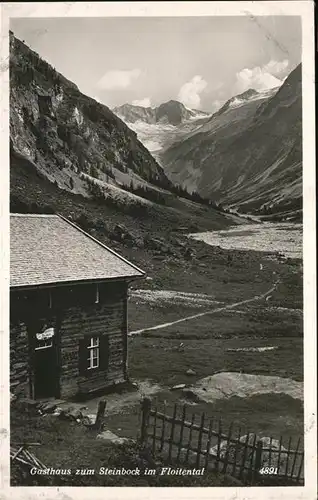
x,y
213,311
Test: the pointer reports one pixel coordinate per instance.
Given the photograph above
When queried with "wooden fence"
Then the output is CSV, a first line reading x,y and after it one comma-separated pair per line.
x,y
202,442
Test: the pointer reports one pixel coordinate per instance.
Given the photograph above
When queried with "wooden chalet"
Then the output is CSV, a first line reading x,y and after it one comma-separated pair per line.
x,y
68,309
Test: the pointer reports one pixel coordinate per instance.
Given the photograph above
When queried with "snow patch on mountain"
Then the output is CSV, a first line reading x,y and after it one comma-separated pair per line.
x,y
241,100
158,128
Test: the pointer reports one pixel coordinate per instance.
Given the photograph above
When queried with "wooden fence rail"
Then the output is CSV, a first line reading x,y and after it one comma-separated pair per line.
x,y
205,443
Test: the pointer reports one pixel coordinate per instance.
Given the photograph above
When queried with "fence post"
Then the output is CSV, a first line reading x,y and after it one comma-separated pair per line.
x,y
218,452
258,460
181,433
199,448
226,457
100,415
163,428
300,467
252,468
190,439
154,434
208,446
295,459
245,451
236,449
173,425
287,456
145,409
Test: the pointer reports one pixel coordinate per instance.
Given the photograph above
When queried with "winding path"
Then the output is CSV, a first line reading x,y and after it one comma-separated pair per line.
x,y
219,309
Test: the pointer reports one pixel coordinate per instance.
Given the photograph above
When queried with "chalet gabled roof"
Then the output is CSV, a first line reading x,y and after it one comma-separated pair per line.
x,y
49,249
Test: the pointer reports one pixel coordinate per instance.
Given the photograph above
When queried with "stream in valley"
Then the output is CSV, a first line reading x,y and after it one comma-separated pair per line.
x,y
283,237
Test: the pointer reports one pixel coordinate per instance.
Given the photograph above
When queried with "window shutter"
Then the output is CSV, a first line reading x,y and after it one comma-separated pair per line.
x,y
104,352
83,355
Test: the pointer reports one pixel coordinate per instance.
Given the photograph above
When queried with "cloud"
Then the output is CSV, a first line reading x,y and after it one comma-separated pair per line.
x,y
276,67
145,102
260,77
189,94
118,79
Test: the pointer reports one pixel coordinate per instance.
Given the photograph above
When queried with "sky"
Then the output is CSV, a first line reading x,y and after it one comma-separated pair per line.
x,y
200,61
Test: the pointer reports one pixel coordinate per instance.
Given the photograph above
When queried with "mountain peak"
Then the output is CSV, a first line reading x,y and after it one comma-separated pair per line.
x,y
172,102
171,112
247,94
244,98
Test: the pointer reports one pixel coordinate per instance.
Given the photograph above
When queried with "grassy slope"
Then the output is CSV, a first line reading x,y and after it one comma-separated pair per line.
x,y
27,184
278,322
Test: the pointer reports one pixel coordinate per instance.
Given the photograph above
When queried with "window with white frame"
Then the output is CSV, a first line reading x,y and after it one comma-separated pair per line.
x,y
93,353
44,339
43,344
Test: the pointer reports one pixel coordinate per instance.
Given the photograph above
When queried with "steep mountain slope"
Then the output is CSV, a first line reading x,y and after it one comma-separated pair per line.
x,y
70,154
66,134
158,128
248,155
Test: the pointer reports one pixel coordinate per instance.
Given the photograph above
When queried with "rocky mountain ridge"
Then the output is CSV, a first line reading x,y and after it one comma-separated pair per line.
x,y
243,98
169,113
248,155
159,128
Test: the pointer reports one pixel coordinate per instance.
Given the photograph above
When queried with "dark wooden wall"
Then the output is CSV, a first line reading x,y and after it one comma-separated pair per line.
x,y
76,316
107,318
19,359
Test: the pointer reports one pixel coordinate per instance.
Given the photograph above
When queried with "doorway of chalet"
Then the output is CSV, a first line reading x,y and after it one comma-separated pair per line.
x,y
45,365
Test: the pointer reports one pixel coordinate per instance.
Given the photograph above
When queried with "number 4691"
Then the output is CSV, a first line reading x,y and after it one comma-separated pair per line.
x,y
268,470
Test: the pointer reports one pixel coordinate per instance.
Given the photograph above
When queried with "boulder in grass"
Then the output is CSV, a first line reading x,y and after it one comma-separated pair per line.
x,y
89,420
190,372
177,387
271,459
237,450
75,414
189,456
112,438
49,407
57,412
71,414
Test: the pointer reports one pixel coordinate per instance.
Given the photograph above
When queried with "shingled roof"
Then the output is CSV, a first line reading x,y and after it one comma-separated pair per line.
x,y
48,249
